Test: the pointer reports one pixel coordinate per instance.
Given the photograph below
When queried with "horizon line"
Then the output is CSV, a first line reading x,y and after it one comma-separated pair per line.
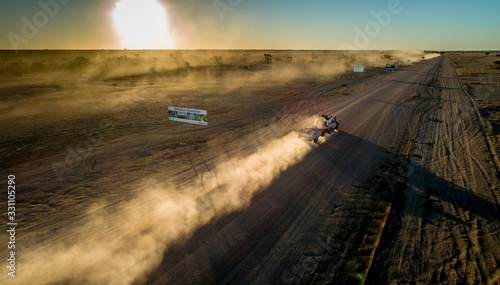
x,y
255,49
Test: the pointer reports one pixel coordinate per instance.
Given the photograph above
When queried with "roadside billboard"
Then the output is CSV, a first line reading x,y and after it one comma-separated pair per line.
x,y
359,68
185,115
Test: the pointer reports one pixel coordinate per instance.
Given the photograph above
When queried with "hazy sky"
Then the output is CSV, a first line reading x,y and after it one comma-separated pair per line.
x,y
252,24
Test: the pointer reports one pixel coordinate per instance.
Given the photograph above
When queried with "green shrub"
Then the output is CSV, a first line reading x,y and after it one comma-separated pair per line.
x,y
386,56
268,58
218,59
17,68
79,63
495,64
38,66
3,61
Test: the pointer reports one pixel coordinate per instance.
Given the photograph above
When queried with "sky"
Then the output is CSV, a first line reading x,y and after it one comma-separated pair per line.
x,y
250,24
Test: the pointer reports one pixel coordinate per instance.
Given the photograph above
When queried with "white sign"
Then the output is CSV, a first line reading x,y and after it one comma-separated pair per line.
x,y
185,115
359,68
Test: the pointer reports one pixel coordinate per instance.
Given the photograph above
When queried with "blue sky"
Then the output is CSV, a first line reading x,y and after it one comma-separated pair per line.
x,y
259,24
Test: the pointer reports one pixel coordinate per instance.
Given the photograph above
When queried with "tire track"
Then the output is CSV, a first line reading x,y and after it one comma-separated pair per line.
x,y
449,199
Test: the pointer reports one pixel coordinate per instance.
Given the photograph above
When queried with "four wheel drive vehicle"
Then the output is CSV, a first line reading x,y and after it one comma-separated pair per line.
x,y
327,124
322,125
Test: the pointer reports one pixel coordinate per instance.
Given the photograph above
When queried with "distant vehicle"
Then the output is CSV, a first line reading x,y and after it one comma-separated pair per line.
x,y
323,124
343,85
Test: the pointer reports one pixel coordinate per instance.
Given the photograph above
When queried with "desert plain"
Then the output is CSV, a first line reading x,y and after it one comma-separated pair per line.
x,y
406,191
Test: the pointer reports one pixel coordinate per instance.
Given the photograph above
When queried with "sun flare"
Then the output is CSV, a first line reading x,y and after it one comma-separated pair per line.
x,y
142,24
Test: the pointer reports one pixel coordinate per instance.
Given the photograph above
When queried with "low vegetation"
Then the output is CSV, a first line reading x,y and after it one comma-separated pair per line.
x,y
495,64
79,63
268,58
386,57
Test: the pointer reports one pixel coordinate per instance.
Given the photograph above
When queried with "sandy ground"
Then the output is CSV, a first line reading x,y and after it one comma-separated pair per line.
x,y
483,83
406,192
447,228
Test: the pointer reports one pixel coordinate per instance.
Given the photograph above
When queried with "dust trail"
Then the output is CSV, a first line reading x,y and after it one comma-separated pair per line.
x,y
122,246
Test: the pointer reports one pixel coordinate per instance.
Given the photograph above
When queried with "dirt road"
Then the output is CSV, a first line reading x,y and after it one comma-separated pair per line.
x,y
448,226
406,192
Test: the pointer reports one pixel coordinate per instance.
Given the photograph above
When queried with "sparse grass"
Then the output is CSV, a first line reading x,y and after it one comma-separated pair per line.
x,y
472,71
339,91
79,63
469,82
470,74
491,111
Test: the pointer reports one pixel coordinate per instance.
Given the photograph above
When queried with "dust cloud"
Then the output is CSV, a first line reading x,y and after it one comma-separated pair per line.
x,y
121,246
69,83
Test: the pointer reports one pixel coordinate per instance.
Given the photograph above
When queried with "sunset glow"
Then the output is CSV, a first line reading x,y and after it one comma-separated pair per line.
x,y
142,24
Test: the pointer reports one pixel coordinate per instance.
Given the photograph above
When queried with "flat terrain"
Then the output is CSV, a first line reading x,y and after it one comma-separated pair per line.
x,y
483,83
406,192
